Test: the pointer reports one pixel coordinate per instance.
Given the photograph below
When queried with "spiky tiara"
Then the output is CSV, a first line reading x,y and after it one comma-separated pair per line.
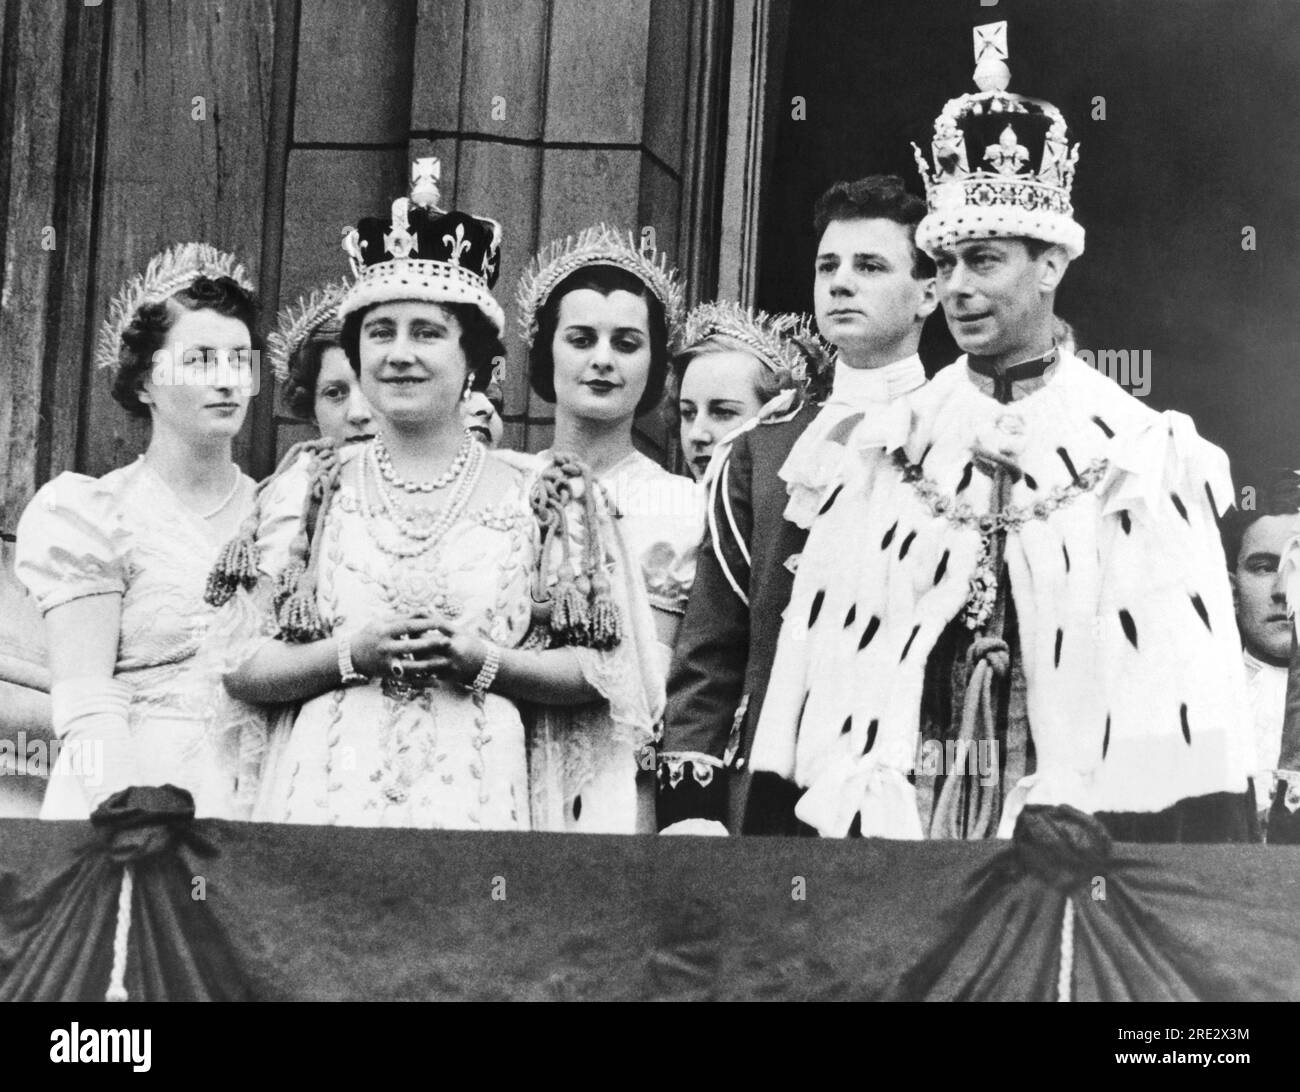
x,y
599,245
782,342
172,271
299,321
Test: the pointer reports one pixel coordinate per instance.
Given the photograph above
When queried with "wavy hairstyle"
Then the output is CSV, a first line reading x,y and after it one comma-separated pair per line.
x,y
148,329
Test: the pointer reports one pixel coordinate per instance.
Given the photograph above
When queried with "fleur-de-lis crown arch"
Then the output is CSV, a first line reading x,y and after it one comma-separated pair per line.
x,y
421,251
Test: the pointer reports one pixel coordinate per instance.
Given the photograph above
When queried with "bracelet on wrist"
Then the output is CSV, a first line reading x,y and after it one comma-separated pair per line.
x,y
347,670
488,672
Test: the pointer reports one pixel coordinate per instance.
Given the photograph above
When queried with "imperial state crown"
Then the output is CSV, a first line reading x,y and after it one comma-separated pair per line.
x,y
1003,165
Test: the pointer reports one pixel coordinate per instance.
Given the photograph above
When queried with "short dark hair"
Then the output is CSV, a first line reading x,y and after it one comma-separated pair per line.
x,y
876,197
299,388
1280,498
479,340
605,279
152,322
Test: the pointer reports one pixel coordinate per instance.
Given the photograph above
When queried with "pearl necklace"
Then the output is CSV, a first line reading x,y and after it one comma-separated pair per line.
x,y
384,461
419,530
228,498
239,478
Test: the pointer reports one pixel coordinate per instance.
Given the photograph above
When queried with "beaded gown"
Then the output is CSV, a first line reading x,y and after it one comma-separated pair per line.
x,y
128,533
376,754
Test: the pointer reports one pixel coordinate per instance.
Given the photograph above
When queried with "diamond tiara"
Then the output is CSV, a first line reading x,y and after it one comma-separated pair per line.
x,y
781,342
167,273
296,324
598,245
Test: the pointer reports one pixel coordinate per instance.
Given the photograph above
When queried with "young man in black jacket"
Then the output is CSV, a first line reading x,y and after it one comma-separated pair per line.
x,y
873,290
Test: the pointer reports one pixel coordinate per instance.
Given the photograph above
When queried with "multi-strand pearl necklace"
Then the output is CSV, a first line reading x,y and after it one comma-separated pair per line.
x,y
424,532
384,461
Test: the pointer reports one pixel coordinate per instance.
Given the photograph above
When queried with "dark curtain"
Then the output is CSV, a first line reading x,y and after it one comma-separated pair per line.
x,y
230,910
1138,927
57,925
1194,142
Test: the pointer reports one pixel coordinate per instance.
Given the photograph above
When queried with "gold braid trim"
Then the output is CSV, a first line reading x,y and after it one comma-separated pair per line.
x,y
298,617
237,564
580,610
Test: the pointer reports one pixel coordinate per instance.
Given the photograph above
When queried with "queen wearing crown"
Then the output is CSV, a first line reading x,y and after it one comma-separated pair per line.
x,y
117,564
397,581
600,317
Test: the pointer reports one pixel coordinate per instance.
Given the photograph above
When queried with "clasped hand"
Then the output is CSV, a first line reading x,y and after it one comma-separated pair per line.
x,y
420,650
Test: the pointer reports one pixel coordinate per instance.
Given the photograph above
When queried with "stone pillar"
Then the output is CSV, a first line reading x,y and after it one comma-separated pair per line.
x,y
552,117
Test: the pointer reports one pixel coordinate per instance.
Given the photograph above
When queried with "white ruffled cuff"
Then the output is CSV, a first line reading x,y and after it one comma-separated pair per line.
x,y
864,786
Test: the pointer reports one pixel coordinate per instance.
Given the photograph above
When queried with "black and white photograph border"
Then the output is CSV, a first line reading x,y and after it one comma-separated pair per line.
x,y
713,626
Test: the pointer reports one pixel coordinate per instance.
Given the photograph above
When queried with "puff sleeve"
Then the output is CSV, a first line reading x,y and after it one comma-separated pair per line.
x,y
72,542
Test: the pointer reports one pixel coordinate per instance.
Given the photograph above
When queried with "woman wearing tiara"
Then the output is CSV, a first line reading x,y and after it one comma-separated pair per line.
x,y
317,383
599,318
733,363
117,564
399,612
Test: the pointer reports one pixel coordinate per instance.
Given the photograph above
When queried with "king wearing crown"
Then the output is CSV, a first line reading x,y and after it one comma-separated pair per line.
x,y
1034,608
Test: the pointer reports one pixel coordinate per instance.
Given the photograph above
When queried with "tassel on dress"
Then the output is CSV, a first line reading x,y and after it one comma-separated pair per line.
x,y
580,608
297,614
235,568
237,564
606,629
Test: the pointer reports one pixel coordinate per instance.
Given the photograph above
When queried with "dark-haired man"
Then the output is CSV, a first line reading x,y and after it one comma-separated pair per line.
x,y
1021,598
1254,542
873,290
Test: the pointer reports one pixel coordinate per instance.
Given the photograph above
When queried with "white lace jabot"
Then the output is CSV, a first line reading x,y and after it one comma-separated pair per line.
x,y
813,460
858,388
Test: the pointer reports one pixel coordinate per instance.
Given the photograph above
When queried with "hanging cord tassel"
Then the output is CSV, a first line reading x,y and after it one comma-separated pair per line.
x,y
568,607
300,621
580,608
966,809
1065,976
117,977
543,607
605,623
237,564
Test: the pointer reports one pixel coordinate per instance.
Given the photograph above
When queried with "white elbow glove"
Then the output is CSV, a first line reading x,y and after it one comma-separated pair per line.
x,y
95,745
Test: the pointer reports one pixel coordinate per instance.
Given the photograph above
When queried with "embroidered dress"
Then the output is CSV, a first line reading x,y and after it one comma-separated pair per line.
x,y
128,533
376,754
593,770
1132,673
